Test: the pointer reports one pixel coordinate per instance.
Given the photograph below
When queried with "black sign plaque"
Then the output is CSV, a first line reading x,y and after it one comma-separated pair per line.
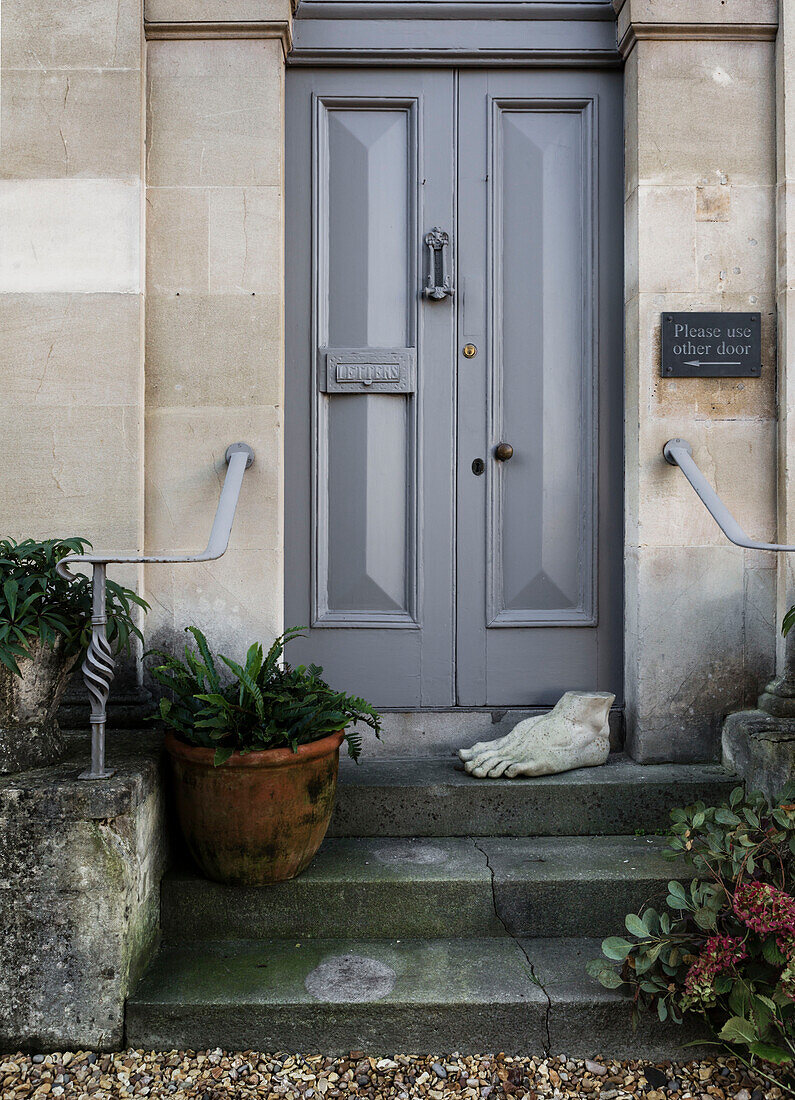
x,y
711,345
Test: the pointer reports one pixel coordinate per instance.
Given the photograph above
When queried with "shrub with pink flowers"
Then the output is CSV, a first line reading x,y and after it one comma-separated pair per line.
x,y
723,948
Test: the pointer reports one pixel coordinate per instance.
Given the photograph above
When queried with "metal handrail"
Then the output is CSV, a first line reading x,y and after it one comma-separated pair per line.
x,y
678,452
98,664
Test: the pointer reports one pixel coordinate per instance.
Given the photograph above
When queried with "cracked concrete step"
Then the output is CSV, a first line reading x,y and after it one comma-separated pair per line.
x,y
435,797
384,887
385,996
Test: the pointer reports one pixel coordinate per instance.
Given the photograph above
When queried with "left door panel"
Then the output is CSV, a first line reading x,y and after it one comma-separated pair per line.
x,y
369,383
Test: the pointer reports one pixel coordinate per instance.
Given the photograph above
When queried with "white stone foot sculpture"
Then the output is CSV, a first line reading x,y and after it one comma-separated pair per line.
x,y
574,734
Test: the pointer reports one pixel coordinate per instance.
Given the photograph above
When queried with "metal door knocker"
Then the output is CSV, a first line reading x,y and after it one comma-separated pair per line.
x,y
438,285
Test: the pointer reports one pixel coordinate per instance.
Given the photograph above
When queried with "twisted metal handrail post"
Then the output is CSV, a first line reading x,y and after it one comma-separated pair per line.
x,y
678,452
98,664
98,674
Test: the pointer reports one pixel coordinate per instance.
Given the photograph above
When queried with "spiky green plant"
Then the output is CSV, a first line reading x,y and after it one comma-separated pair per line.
x,y
261,704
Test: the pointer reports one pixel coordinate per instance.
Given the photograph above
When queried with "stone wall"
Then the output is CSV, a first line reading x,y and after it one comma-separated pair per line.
x,y
700,235
214,278
71,293
80,870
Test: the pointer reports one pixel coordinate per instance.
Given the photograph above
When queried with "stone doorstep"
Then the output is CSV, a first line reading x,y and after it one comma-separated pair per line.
x,y
761,748
55,791
386,887
441,995
440,732
55,826
434,797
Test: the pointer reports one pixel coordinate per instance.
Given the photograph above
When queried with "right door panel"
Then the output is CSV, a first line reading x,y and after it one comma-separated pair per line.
x,y
539,541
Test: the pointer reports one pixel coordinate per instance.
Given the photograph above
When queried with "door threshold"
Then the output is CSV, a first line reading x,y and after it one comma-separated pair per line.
x,y
441,731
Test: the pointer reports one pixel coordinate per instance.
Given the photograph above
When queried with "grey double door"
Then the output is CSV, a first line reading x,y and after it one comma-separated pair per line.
x,y
454,283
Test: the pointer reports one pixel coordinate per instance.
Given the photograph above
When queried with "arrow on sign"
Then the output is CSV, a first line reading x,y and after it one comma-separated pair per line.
x,y
698,363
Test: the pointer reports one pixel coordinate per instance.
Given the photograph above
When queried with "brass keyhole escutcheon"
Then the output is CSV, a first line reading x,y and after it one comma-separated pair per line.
x,y
470,351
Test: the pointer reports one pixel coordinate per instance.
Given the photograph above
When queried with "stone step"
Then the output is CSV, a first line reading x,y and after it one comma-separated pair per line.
x,y
434,797
388,996
385,887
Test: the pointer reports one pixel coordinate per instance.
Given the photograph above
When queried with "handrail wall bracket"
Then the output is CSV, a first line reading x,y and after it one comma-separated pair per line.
x,y
98,664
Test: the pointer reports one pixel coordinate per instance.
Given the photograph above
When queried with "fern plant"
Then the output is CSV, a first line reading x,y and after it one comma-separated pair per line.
x,y
38,605
260,704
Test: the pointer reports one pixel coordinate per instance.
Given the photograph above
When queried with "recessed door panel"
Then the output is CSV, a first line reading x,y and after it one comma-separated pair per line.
x,y
365,488
542,527
365,176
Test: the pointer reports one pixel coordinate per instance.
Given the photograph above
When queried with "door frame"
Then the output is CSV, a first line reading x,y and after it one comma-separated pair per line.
x,y
456,34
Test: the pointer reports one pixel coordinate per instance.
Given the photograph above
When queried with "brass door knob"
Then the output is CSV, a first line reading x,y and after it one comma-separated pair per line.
x,y
503,451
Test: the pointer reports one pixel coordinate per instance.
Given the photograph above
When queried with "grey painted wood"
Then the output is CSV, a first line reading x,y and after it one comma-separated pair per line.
x,y
369,476
458,9
540,537
424,584
459,33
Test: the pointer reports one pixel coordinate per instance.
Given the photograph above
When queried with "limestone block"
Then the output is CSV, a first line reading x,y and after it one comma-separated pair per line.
x,y
713,202
761,618
636,383
70,349
237,11
80,867
185,468
631,246
246,241
718,12
759,748
631,123
785,224
687,608
78,473
215,115
235,600
70,235
666,240
70,123
213,350
736,253
706,109
94,34
739,460
177,240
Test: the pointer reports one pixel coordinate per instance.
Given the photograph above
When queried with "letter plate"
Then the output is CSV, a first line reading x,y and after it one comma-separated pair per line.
x,y
366,370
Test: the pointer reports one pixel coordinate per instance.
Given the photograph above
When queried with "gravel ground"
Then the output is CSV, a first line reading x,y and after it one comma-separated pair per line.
x,y
217,1075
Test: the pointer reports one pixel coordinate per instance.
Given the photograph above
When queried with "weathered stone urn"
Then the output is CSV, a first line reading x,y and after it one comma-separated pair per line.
x,y
29,733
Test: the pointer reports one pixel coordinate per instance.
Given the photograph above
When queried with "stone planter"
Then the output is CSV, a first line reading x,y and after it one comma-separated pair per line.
x,y
260,817
29,733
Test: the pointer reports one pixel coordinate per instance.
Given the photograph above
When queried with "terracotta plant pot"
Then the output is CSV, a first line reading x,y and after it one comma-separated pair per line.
x,y
29,733
261,816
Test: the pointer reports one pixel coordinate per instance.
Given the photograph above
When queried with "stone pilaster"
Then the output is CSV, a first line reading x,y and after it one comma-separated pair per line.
x,y
214,326
785,299
761,744
700,235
